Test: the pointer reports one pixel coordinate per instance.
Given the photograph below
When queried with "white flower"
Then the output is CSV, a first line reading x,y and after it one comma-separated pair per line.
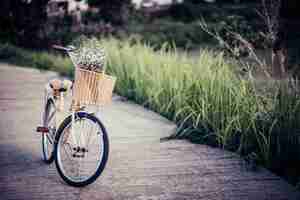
x,y
89,55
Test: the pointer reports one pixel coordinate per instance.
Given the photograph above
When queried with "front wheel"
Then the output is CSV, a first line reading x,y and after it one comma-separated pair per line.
x,y
81,154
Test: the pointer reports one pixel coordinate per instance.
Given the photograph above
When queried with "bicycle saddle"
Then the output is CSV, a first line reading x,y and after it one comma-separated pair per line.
x,y
60,85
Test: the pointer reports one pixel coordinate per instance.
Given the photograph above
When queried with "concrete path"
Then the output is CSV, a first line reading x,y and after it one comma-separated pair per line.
x,y
139,166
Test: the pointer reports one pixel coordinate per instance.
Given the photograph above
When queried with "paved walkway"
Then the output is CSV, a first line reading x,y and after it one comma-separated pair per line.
x,y
139,166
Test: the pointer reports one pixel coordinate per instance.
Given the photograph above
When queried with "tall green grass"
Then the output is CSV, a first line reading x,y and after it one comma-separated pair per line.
x,y
203,96
207,99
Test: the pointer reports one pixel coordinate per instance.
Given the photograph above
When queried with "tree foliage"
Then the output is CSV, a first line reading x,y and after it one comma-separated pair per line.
x,y
21,21
112,11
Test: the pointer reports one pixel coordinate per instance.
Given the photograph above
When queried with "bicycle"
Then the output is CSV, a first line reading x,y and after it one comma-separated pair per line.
x,y
79,145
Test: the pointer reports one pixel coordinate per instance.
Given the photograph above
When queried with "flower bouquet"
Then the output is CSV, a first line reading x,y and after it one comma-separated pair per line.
x,y
88,54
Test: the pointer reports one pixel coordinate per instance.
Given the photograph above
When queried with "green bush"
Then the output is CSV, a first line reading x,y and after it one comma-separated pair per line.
x,y
224,19
7,51
42,61
186,12
39,60
187,36
90,16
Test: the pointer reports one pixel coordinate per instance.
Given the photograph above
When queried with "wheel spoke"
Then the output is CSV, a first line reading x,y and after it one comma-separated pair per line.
x,y
89,136
49,138
68,155
76,132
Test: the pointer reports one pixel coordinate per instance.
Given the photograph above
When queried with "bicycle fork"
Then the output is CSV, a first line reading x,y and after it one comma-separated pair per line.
x,y
72,127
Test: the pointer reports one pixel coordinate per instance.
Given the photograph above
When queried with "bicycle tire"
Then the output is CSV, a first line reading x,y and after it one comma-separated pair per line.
x,y
45,137
67,123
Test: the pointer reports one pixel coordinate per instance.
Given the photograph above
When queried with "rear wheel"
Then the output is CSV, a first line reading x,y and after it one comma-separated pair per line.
x,y
49,121
81,155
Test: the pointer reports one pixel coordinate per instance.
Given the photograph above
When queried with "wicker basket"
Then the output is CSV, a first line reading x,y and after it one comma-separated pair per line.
x,y
92,88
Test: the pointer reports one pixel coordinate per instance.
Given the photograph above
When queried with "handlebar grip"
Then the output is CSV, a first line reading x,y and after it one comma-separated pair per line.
x,y
60,48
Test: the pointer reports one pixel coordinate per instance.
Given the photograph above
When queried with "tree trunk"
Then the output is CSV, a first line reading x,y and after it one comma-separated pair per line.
x,y
286,40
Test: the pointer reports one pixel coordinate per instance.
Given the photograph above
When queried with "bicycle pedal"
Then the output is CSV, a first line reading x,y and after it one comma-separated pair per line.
x,y
42,129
